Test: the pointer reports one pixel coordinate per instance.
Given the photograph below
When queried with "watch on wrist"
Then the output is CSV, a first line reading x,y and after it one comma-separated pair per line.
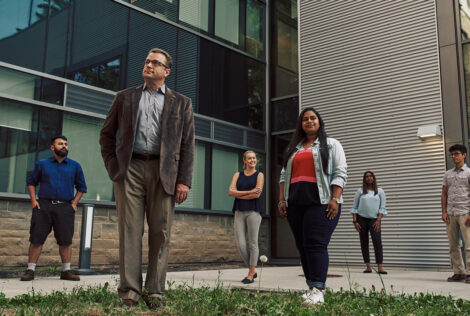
x,y
335,199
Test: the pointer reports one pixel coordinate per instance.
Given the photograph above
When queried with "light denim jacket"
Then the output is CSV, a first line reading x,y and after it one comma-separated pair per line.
x,y
337,170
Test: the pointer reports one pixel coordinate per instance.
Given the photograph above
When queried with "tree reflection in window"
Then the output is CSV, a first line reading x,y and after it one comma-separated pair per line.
x,y
49,7
105,75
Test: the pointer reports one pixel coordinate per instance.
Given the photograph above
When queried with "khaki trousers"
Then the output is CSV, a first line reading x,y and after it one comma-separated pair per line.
x,y
456,222
140,194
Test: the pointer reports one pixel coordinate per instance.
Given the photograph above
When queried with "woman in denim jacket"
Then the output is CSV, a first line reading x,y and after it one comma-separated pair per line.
x,y
311,184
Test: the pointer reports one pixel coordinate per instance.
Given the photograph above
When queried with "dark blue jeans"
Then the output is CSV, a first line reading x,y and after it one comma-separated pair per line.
x,y
367,225
312,232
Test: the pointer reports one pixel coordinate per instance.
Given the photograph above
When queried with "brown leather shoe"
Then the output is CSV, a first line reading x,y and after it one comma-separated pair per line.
x,y
154,301
467,279
457,278
28,275
69,276
128,302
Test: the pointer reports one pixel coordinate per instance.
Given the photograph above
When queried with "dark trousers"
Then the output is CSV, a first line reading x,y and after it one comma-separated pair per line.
x,y
367,225
312,231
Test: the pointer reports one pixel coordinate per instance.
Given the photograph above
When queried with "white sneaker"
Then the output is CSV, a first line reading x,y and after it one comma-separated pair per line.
x,y
315,296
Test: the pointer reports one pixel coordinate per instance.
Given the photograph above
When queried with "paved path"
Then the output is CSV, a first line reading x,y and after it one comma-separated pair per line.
x,y
272,278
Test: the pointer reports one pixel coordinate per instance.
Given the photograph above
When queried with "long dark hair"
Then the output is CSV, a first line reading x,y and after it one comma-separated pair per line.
x,y
364,184
299,135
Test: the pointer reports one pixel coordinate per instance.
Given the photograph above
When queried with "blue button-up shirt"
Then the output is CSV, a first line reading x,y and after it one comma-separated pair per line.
x,y
57,180
147,136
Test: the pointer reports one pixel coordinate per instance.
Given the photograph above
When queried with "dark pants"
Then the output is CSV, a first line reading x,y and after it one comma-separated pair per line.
x,y
61,217
312,232
367,225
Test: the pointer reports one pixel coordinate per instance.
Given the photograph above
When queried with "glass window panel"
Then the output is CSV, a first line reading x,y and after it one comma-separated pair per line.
x,y
287,8
227,20
14,16
82,133
16,116
164,8
196,194
195,13
287,48
17,83
17,145
286,82
283,241
255,28
224,164
285,113
466,63
104,75
234,86
465,18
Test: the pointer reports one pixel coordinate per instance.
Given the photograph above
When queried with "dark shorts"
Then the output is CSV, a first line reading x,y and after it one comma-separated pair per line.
x,y
61,217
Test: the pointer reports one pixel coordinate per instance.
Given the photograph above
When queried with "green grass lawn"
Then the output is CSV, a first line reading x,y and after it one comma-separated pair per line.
x,y
184,300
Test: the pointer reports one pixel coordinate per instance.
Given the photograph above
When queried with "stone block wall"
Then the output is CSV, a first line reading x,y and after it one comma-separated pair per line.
x,y
195,238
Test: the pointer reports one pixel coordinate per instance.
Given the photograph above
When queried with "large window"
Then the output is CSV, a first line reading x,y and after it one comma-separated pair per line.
x,y
83,133
104,75
232,86
227,14
255,28
25,133
196,194
165,8
195,13
286,49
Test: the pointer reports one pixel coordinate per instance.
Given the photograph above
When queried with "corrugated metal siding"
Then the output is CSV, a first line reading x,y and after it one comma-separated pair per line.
x,y
371,68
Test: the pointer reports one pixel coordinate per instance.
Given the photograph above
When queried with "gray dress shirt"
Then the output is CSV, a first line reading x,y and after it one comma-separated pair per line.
x,y
457,182
147,136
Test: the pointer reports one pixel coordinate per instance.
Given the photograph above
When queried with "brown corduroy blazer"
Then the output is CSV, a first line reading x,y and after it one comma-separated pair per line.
x,y
177,137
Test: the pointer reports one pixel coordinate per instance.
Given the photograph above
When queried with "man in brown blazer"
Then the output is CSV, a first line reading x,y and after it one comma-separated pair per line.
x,y
147,144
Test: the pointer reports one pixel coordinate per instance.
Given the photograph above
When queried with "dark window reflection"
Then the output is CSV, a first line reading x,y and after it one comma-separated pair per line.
x,y
165,8
231,86
105,75
50,91
285,113
25,133
255,28
285,51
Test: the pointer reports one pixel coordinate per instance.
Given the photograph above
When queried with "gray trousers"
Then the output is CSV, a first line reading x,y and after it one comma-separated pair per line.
x,y
141,195
246,225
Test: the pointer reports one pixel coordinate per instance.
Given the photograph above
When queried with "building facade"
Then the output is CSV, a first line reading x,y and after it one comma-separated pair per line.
x,y
61,63
379,72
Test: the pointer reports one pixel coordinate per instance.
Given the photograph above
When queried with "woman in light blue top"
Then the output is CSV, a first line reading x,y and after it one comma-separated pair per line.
x,y
367,211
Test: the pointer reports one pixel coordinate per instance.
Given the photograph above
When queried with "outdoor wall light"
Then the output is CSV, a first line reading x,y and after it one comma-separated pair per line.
x,y
426,131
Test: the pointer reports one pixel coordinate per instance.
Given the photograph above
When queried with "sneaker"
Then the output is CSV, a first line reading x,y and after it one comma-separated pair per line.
x,y
315,296
69,276
28,275
457,278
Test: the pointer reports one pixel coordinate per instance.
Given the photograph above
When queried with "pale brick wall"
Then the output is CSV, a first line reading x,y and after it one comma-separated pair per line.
x,y
195,238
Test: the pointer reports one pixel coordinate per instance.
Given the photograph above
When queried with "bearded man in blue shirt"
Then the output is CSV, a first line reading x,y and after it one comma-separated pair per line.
x,y
57,177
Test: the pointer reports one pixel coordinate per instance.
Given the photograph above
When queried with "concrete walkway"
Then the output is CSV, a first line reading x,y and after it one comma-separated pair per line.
x,y
272,278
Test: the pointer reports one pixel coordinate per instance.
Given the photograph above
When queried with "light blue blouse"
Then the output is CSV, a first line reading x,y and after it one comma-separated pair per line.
x,y
369,205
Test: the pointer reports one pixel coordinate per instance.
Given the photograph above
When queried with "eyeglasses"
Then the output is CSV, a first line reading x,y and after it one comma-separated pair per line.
x,y
455,154
155,63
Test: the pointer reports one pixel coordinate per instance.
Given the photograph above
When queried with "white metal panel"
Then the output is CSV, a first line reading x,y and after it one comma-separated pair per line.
x,y
371,68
